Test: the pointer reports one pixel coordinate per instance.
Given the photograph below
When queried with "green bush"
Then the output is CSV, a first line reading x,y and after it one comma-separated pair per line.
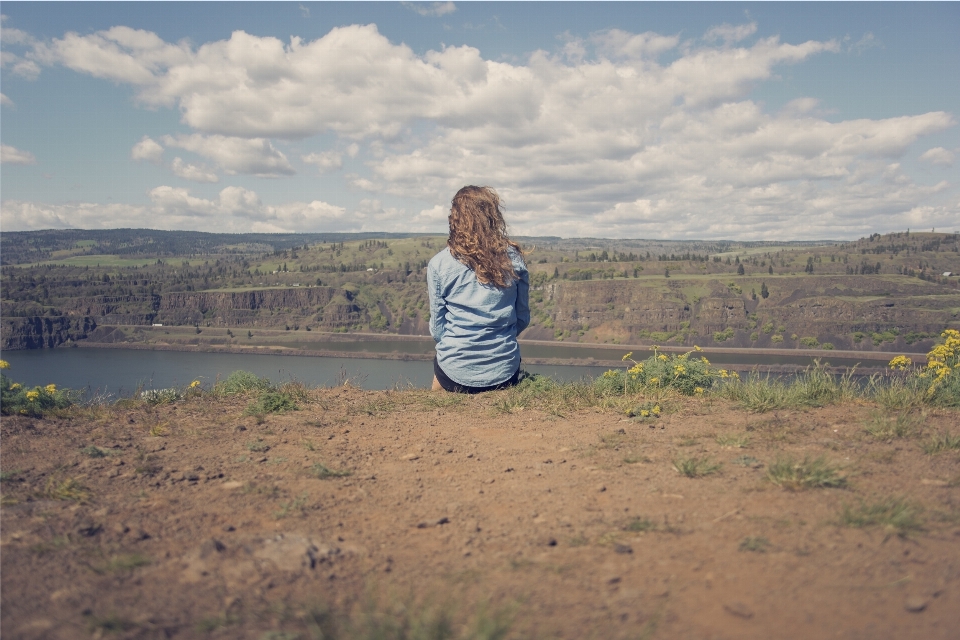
x,y
272,402
241,382
16,399
682,373
723,336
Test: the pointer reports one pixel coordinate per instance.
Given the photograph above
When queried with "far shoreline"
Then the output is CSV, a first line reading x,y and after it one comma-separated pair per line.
x,y
874,362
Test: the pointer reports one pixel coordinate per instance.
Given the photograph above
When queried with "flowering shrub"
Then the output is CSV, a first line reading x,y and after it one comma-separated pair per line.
x,y
16,399
683,373
942,371
937,382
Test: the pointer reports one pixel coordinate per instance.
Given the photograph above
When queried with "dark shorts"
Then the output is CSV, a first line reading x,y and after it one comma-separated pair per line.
x,y
456,387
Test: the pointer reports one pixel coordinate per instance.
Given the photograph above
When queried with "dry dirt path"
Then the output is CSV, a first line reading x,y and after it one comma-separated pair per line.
x,y
576,525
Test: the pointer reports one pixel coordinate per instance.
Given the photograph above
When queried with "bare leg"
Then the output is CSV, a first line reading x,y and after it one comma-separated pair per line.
x,y
436,385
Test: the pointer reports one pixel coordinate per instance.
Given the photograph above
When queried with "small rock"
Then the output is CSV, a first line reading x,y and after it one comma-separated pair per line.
x,y
601,488
229,527
422,525
263,459
622,548
552,542
240,427
915,604
443,520
231,485
738,609
508,470
411,457
614,580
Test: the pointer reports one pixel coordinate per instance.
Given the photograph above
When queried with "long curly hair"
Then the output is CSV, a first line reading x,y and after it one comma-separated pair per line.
x,y
478,236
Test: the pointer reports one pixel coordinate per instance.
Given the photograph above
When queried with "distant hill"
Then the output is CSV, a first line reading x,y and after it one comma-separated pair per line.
x,y
879,293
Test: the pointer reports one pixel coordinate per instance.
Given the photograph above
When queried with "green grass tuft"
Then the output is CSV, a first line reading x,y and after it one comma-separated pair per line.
x,y
897,515
696,467
808,474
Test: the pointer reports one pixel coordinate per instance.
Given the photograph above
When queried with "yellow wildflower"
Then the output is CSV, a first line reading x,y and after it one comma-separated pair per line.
x,y
645,413
662,357
15,386
654,380
4,364
627,357
50,388
698,391
723,373
33,395
900,363
656,410
679,369
696,348
194,384
636,369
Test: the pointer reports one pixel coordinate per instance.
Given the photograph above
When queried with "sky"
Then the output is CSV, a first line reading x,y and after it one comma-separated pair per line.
x,y
681,120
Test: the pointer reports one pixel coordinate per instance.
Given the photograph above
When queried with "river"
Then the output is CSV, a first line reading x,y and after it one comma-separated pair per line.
x,y
120,372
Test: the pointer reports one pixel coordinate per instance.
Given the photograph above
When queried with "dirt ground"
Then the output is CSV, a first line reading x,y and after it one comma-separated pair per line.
x,y
192,520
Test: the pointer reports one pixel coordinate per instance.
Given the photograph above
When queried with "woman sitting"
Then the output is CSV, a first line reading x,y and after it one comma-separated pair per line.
x,y
479,298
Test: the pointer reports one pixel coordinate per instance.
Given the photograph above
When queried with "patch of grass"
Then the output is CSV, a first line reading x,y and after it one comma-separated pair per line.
x,y
240,382
111,623
696,467
896,515
940,443
126,562
379,406
612,440
207,625
885,427
745,461
94,452
734,440
68,489
806,474
640,525
158,430
294,507
271,402
258,446
323,472
688,442
756,544
635,458
896,394
9,475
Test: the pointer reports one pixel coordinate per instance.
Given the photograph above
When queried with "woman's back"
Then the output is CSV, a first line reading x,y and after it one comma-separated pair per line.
x,y
479,296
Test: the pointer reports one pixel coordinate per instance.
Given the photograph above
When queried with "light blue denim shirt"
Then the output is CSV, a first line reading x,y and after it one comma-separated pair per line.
x,y
476,325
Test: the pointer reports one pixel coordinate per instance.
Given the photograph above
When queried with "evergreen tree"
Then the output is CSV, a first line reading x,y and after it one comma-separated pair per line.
x,y
764,292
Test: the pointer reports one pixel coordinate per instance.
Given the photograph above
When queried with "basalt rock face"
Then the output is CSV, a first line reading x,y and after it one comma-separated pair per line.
x,y
325,306
40,332
821,310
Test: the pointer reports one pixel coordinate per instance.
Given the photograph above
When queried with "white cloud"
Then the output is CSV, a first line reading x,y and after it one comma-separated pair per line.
x,y
5,101
730,33
938,156
147,149
599,138
192,172
431,8
235,210
255,156
27,69
620,44
12,155
325,161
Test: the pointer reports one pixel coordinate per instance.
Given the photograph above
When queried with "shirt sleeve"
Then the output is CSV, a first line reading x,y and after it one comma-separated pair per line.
x,y
523,297
437,304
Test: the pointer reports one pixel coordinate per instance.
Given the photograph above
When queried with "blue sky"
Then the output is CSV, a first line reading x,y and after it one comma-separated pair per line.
x,y
632,120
